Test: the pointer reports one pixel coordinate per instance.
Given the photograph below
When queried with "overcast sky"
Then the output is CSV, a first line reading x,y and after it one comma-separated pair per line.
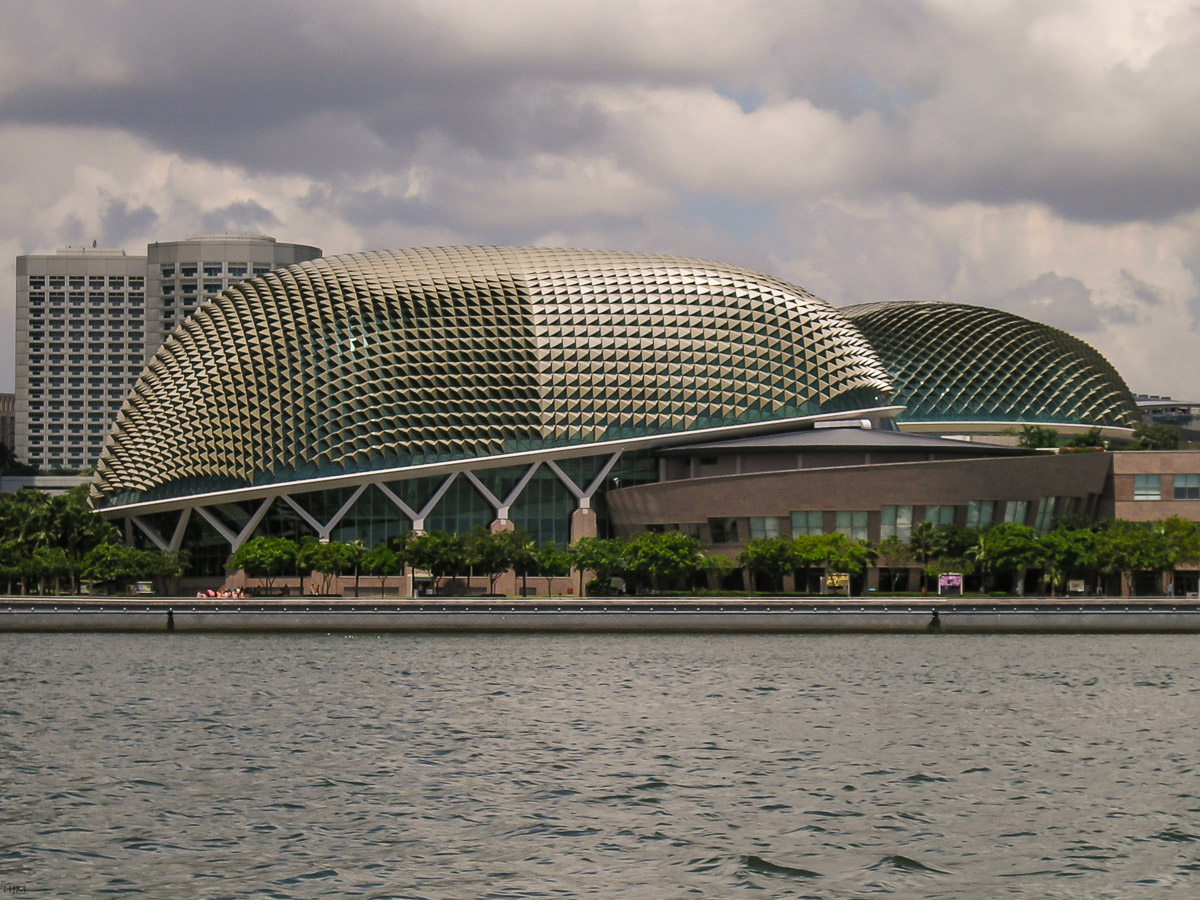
x,y
1043,157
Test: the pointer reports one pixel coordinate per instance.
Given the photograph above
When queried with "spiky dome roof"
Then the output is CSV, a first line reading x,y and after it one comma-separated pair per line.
x,y
952,362
382,360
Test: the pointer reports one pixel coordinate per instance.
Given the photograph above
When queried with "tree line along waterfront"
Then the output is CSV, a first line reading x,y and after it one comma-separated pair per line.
x,y
53,544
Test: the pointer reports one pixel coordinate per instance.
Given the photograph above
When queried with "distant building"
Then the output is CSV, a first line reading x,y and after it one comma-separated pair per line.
x,y
89,319
80,346
47,484
181,275
1183,414
8,419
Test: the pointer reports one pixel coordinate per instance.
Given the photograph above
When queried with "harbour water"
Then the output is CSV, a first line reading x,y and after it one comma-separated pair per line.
x,y
423,766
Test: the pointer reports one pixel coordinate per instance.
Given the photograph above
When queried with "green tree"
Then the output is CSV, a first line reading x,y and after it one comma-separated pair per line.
x,y
486,554
1038,437
355,551
1089,440
1007,546
895,556
834,552
551,563
438,553
1065,551
768,559
115,565
267,558
1184,537
717,566
52,564
328,559
166,567
928,542
604,557
1131,547
651,557
519,547
75,527
381,562
14,561
1155,437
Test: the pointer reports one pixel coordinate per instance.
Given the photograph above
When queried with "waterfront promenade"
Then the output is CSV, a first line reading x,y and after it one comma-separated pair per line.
x,y
662,615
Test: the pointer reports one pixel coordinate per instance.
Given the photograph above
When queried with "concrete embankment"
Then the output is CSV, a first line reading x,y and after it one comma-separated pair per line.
x,y
734,615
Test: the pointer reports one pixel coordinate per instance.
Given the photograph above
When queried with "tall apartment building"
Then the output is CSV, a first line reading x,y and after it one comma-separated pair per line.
x,y
8,419
89,319
181,275
80,344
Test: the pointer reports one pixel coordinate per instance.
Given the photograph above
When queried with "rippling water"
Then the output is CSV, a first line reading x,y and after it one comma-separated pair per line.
x,y
571,765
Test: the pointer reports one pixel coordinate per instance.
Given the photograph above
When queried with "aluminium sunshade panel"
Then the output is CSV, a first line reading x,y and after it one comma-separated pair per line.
x,y
388,359
958,363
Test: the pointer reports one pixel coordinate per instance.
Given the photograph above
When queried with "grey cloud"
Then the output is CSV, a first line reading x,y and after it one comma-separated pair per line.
x,y
119,221
71,230
247,215
970,110
1065,303
1142,291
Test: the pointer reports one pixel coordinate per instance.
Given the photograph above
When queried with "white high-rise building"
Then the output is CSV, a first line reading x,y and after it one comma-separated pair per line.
x,y
89,319
181,275
80,345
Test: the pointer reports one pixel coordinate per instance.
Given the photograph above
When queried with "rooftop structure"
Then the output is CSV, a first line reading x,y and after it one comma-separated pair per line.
x,y
973,369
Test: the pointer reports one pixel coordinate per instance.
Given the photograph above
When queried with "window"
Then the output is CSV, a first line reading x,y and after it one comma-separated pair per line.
x,y
261,270
852,523
168,271
896,521
237,270
1045,514
939,515
980,512
1187,487
807,521
1147,487
723,531
187,270
763,527
213,287
212,270
1016,511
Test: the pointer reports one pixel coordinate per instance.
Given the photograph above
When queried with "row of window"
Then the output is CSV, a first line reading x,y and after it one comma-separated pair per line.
x,y
51,410
895,521
76,282
190,287
214,270
117,301
1149,487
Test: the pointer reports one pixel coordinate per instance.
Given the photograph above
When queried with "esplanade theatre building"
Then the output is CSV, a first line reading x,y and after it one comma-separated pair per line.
x,y
574,393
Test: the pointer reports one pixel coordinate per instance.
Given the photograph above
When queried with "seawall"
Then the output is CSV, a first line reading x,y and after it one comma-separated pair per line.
x,y
716,615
